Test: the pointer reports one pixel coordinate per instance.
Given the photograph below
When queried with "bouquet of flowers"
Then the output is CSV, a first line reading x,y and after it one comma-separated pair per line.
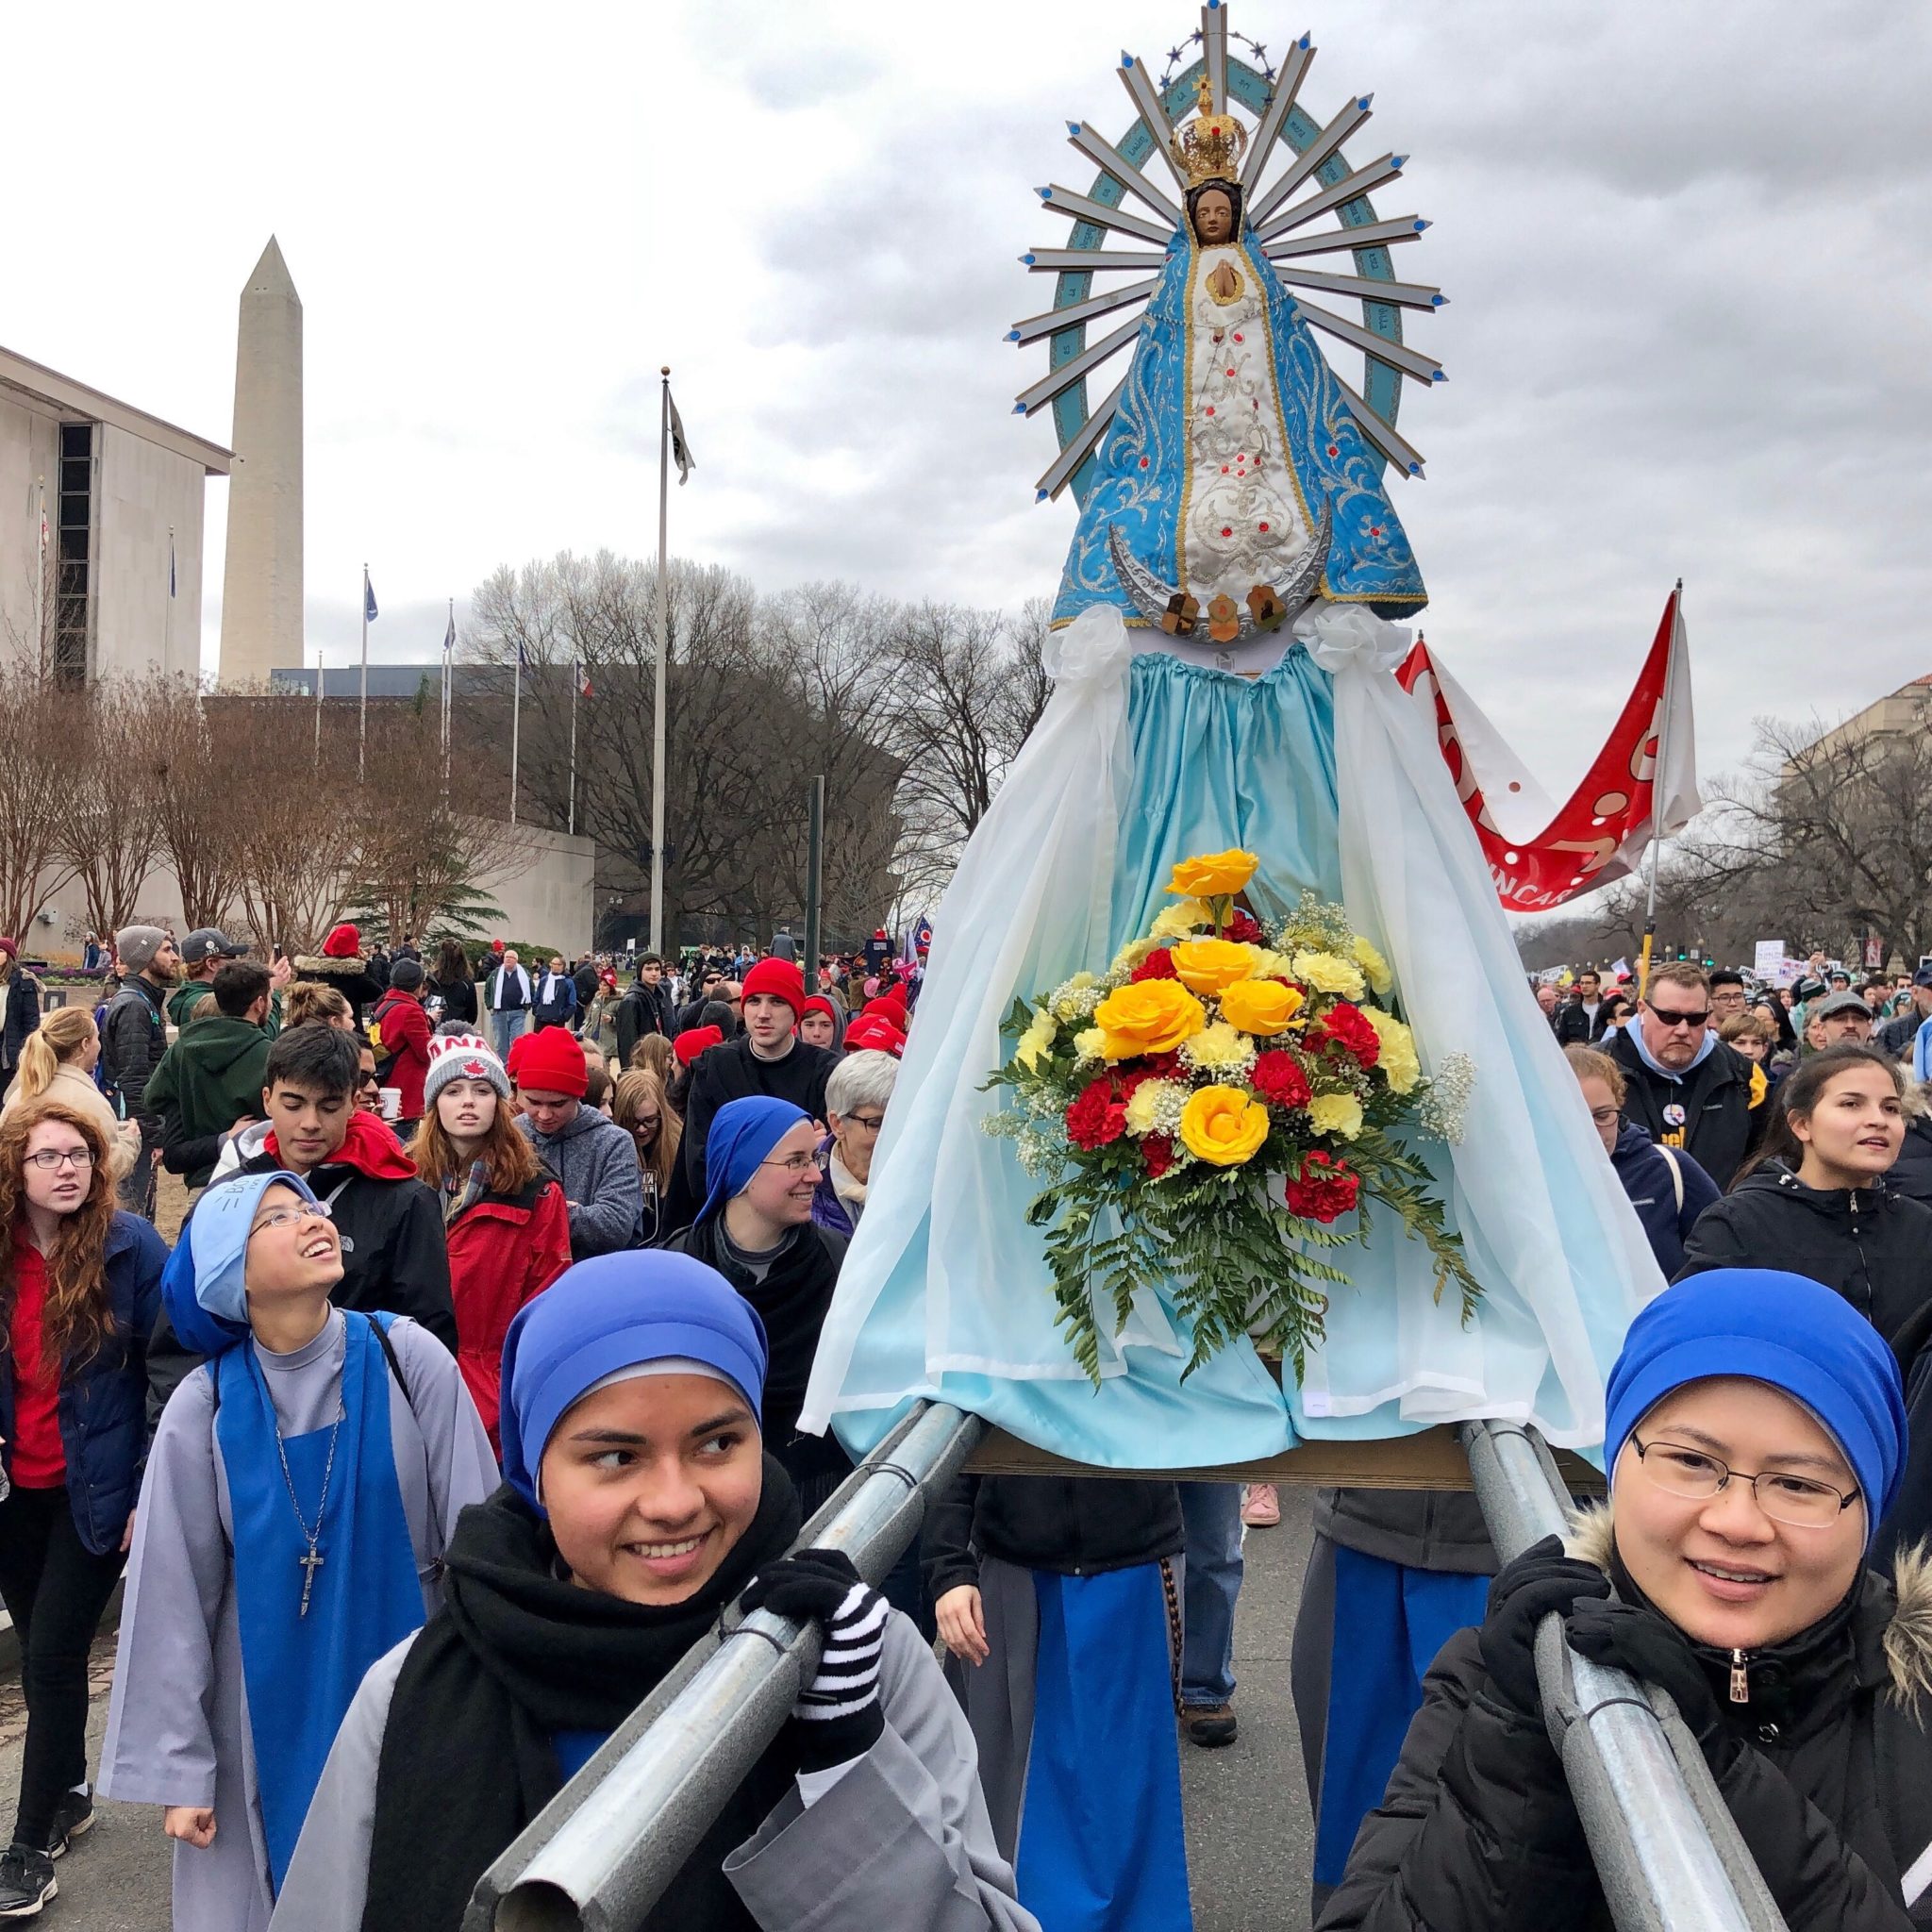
x,y
1208,1107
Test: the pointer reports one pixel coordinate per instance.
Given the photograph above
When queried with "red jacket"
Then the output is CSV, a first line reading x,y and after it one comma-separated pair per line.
x,y
405,1034
503,1252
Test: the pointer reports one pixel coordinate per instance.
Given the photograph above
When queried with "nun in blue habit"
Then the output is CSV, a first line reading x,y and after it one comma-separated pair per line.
x,y
299,1494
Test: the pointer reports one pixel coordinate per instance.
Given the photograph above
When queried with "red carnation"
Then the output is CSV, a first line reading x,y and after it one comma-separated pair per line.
x,y
1349,1028
1160,1066
1094,1118
1244,929
1324,1189
1156,1150
1158,965
1278,1078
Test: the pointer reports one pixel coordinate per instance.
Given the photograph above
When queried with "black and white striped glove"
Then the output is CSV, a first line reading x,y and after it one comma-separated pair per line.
x,y
838,1716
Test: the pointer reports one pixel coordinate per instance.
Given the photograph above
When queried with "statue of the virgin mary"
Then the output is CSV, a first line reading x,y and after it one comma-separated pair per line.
x,y
1223,664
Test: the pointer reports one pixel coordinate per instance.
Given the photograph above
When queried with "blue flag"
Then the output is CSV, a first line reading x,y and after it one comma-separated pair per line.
x,y
522,656
369,610
449,637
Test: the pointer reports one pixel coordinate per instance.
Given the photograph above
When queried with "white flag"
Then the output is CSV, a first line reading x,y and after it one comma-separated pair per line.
x,y
680,450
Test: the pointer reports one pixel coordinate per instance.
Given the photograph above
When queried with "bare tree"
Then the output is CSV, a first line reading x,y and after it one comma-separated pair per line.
x,y
198,797
112,832
41,726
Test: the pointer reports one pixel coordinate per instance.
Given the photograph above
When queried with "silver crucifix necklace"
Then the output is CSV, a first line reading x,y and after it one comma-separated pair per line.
x,y
311,1560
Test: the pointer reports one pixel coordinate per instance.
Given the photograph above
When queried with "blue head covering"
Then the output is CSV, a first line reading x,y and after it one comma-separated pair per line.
x,y
1781,1329
203,1285
743,1132
611,1313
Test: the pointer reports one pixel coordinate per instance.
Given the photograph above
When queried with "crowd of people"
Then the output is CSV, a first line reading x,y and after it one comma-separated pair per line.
x,y
466,1401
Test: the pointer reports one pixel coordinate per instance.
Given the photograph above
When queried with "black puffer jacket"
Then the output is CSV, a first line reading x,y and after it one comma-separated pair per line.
x,y
1832,1791
1871,1245
1071,1525
1911,1172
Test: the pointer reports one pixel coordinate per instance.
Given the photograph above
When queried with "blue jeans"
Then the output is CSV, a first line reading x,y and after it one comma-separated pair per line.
x,y
1212,1514
506,1024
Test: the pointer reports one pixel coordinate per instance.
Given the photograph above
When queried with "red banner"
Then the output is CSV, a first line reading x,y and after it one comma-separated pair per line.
x,y
1599,834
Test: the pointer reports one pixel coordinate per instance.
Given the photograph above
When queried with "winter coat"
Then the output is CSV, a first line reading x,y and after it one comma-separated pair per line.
x,y
1420,1530
1069,1526
1832,1790
1574,1027
585,980
597,1163
643,1009
1911,1172
507,991
209,1079
838,1201
458,997
79,1092
1667,1204
22,997
103,1431
732,1072
553,999
134,1036
351,978
504,1250
1716,1107
405,1036
1871,1245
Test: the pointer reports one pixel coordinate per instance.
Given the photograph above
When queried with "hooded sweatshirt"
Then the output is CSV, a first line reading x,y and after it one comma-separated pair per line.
x,y
209,1079
597,1164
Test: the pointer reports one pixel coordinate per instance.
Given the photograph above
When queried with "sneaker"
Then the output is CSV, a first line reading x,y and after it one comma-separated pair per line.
x,y
1263,1508
27,1882
73,1818
1208,1724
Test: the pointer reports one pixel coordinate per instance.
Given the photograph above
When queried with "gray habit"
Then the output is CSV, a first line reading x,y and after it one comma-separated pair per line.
x,y
898,1837
177,1729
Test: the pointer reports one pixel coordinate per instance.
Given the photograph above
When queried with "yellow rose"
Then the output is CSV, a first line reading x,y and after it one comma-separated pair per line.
x,y
1336,1113
1329,972
1213,874
1211,965
1225,1124
1259,1005
1397,1059
1152,1017
1373,963
1178,922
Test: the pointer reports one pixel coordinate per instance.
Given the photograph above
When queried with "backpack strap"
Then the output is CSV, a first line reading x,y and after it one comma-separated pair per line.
x,y
1670,1156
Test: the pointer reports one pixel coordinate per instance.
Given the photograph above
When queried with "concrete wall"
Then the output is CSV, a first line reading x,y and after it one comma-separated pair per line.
x,y
30,447
141,489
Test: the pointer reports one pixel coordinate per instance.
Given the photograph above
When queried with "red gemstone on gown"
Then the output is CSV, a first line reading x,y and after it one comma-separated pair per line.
x,y
1264,529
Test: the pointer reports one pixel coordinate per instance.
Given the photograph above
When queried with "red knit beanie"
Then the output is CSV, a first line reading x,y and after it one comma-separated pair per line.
x,y
345,943
550,1062
694,1040
820,1004
780,976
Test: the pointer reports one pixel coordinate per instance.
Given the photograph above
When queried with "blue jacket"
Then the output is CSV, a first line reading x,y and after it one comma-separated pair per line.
x,y
1647,1176
103,1407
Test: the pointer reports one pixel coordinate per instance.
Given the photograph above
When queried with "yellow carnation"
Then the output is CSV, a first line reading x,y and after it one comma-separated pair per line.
x,y
1336,1113
1152,1017
1144,1104
1213,874
1259,1005
1397,1059
1084,979
1092,1044
1219,1046
1224,1124
1329,972
1178,922
1273,965
1131,955
1211,965
1035,1042
1373,963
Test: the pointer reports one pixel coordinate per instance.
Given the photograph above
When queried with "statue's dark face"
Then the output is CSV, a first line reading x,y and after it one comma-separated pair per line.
x,y
1213,218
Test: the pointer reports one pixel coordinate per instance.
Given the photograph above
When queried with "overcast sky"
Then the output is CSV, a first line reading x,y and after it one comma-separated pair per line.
x,y
1688,248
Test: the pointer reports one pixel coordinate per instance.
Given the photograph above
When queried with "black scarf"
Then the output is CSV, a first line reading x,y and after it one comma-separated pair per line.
x,y
517,1654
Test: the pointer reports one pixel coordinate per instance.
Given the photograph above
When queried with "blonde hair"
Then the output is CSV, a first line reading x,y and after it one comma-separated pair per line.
x,y
637,1090
1747,1027
653,1055
309,1003
1586,1063
206,1007
61,1038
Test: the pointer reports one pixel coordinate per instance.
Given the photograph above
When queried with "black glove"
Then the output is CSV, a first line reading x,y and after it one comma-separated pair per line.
x,y
837,1717
1542,1580
1656,1652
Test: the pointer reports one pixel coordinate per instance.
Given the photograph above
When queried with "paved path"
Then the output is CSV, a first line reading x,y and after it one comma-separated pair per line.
x,y
1249,1843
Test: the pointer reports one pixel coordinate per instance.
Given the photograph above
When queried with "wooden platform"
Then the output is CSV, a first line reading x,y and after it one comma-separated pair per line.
x,y
1431,1461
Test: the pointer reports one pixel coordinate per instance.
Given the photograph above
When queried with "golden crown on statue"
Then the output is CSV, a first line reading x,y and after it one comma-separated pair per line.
x,y
1210,146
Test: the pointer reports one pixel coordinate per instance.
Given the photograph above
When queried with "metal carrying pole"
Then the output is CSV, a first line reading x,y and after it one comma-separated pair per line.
x,y
1667,1852
601,1854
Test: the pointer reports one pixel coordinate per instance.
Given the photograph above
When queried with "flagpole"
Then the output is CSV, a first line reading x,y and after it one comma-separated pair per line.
x,y
362,729
575,684
663,625
448,678
1656,785
516,715
40,577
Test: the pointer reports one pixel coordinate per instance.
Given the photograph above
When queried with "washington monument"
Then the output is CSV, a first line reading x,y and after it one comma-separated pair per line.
x,y
262,583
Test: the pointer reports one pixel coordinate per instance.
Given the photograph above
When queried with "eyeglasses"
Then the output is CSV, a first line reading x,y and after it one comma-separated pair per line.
x,y
287,1217
369,1082
794,1164
47,1159
1604,1116
1669,1021
1697,1477
872,1123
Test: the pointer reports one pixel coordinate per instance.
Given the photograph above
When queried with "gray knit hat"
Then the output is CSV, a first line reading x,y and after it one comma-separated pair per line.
x,y
462,1056
137,946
